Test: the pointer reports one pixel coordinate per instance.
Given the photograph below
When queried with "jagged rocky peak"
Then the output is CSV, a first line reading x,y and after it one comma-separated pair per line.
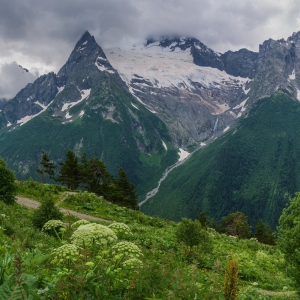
x,y
86,56
30,101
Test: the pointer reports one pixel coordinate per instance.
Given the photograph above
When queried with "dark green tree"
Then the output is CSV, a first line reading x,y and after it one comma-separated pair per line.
x,y
45,212
289,238
203,219
213,224
47,167
123,192
8,188
264,233
84,172
236,224
69,173
100,180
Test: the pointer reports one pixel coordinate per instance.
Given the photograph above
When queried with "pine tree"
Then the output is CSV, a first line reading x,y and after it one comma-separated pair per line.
x,y
203,219
213,224
100,179
69,171
47,167
123,192
264,233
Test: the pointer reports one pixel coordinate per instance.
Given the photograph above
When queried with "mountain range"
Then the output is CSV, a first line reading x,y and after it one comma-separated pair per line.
x,y
148,106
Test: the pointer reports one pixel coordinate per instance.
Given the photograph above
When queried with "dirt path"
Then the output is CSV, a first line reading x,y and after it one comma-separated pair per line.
x,y
272,293
35,204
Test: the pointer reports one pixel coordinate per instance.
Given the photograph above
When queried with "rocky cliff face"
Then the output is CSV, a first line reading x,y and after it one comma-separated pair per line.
x,y
278,68
184,83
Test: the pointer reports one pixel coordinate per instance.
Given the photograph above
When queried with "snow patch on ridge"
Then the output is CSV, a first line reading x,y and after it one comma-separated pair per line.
x,y
183,154
165,146
242,105
293,76
68,116
226,129
101,67
24,120
60,89
298,94
134,106
84,95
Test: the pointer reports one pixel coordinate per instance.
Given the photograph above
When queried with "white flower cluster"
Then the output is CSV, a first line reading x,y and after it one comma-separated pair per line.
x,y
120,229
93,234
52,224
126,250
132,264
66,252
76,224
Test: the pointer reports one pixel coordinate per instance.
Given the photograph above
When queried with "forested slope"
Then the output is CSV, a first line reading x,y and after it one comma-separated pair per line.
x,y
254,169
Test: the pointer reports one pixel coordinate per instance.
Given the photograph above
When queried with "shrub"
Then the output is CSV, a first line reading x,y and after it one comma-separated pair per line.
x,y
191,233
46,212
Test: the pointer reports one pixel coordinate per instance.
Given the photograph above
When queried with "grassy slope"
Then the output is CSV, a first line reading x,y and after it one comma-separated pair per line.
x,y
167,272
254,168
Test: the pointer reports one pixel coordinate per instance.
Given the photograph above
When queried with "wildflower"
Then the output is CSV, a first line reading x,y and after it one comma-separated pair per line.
x,y
67,252
89,234
126,250
76,224
53,224
120,229
132,264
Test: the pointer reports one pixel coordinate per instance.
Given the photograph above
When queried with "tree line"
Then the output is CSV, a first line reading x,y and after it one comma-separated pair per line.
x,y
236,224
91,175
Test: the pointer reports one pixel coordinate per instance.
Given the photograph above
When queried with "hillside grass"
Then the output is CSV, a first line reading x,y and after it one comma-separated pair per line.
x,y
170,270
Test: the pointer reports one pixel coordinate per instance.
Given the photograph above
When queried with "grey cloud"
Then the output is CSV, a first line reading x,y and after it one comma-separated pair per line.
x,y
13,79
41,32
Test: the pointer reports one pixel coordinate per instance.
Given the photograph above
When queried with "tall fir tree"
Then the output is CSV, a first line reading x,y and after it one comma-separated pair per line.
x,y
203,219
123,192
47,167
69,172
264,233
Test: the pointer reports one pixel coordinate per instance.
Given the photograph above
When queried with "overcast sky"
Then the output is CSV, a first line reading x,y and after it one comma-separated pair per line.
x,y
40,34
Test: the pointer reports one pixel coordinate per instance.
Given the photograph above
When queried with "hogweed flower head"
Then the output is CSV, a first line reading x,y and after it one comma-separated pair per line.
x,y
53,224
120,229
76,224
90,234
65,254
126,250
132,264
